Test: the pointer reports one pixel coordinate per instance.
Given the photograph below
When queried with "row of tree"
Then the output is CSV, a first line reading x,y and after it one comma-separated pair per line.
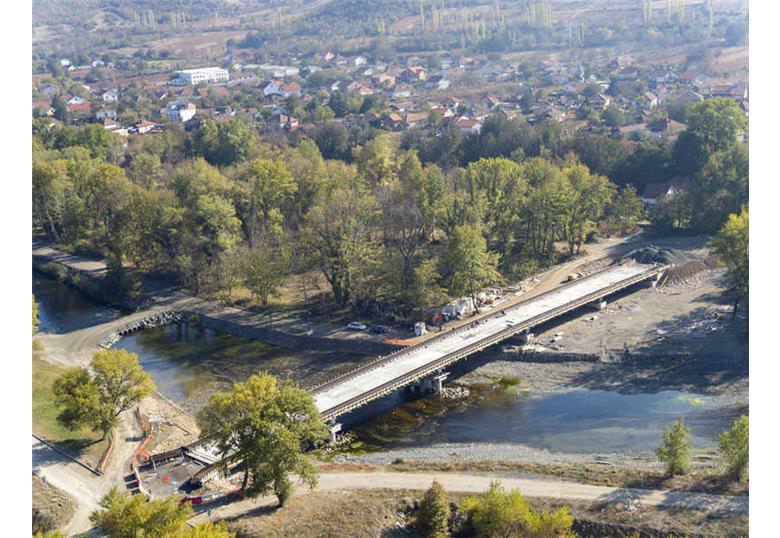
x,y
372,228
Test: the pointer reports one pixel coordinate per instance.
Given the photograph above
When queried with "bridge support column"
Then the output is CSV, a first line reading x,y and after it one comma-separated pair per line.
x,y
655,280
600,304
527,336
438,382
335,428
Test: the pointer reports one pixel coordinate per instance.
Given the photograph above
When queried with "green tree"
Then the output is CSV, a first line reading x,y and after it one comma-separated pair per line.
x,y
713,125
264,423
323,113
497,514
720,188
434,514
624,212
338,235
35,320
425,292
96,397
735,450
376,161
266,188
587,197
613,117
675,449
49,534
122,515
471,265
264,272
732,247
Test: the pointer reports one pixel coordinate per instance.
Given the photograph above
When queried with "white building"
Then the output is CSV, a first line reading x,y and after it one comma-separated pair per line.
x,y
193,77
111,96
180,112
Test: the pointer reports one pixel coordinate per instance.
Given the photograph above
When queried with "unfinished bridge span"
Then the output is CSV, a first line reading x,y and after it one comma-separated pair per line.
x,y
386,374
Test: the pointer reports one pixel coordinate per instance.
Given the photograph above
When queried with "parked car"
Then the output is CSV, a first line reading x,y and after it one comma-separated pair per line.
x,y
356,326
379,329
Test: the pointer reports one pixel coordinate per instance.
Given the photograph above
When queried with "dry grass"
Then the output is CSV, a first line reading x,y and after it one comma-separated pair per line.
x,y
366,513
388,513
52,507
599,475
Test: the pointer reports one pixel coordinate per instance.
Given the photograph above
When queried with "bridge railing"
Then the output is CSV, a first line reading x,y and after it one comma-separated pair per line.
x,y
321,387
446,360
385,358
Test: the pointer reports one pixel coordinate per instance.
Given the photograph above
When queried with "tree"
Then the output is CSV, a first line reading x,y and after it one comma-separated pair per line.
x,y
735,450
35,320
122,515
713,125
675,449
624,212
471,266
434,514
96,397
720,188
613,117
586,198
497,514
265,423
425,291
267,186
264,272
338,234
732,247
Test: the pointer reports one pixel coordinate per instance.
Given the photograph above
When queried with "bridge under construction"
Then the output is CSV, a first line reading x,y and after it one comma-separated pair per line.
x,y
427,359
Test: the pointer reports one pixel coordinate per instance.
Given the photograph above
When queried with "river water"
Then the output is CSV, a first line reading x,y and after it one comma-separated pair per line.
x,y
188,362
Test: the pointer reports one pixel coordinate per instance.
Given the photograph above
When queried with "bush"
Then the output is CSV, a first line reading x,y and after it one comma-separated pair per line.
x,y
675,449
434,515
496,513
734,449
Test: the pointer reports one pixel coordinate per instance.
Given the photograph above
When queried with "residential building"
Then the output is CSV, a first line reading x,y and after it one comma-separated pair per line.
x,y
179,112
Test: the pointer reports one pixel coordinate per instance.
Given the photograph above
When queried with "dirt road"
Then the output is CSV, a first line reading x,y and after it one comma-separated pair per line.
x,y
73,479
554,489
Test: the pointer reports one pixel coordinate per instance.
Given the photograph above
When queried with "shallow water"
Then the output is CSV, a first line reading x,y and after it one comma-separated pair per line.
x,y
574,421
62,309
188,362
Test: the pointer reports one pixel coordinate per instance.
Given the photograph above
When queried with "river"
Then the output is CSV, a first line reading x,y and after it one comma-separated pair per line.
x,y
188,362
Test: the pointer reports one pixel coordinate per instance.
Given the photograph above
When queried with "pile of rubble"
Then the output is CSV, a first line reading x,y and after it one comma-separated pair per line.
x,y
157,319
455,392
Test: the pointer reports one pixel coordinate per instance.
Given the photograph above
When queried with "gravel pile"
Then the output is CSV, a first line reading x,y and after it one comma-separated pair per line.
x,y
655,254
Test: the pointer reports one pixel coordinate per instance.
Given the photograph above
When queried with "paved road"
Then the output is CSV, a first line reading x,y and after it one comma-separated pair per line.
x,y
401,366
529,487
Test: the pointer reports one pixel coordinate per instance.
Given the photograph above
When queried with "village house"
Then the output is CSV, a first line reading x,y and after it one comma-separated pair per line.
x,y
468,125
416,73
416,119
110,124
110,96
179,112
144,127
656,193
282,89
600,101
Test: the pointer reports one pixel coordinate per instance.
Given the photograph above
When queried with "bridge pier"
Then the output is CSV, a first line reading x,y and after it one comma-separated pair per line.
x,y
527,336
335,427
438,382
599,304
655,280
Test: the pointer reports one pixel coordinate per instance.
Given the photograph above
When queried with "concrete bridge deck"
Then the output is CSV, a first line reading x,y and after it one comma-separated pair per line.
x,y
386,374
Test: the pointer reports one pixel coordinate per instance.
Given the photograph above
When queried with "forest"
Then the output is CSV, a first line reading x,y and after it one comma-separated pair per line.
x,y
405,222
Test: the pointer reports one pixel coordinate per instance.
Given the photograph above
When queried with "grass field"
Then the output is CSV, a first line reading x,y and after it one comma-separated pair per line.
x,y
83,442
